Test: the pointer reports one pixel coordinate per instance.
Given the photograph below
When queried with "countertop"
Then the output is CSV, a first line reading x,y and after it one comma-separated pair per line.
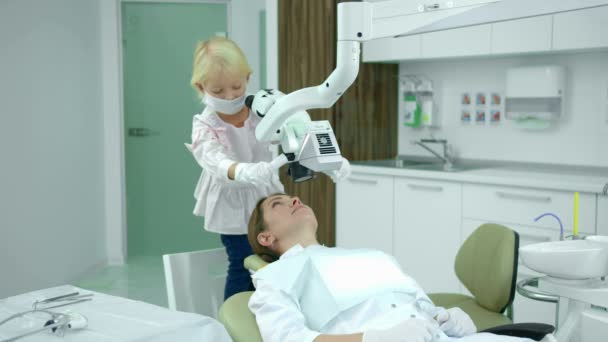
x,y
527,175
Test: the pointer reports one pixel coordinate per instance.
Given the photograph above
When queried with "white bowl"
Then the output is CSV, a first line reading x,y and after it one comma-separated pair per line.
x,y
575,259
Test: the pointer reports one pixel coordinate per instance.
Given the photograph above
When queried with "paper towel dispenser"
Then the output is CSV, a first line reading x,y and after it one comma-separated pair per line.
x,y
534,97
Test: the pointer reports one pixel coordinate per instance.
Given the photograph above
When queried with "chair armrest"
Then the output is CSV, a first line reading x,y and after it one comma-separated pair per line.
x,y
535,331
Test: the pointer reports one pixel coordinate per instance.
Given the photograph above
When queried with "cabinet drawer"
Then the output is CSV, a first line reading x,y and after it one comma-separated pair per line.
x,y
364,212
521,206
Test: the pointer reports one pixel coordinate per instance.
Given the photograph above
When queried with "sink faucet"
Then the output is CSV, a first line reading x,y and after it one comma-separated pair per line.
x,y
446,159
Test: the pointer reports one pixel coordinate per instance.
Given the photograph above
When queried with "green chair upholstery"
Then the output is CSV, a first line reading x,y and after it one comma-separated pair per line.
x,y
238,319
486,264
235,314
254,262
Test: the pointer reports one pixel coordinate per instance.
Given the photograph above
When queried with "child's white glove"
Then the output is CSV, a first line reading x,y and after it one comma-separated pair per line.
x,y
411,330
338,175
260,173
455,323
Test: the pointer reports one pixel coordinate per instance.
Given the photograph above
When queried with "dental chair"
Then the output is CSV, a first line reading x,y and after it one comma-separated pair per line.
x,y
486,264
235,314
242,327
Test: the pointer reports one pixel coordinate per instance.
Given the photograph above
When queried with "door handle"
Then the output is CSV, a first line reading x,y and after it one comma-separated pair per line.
x,y
523,197
363,181
425,187
141,132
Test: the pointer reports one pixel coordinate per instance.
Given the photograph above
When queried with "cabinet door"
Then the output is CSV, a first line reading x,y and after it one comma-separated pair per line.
x,y
581,29
602,215
364,212
523,35
427,231
392,49
467,41
525,310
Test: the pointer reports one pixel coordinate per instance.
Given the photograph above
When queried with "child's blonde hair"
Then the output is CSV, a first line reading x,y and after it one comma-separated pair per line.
x,y
217,54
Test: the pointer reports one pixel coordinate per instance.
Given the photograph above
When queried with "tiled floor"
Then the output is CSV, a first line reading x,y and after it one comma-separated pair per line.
x,y
141,278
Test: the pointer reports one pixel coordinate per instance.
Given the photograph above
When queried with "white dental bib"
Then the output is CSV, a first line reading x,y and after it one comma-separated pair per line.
x,y
327,281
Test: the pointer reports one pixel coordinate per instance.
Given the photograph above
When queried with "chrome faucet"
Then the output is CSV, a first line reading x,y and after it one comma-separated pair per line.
x,y
446,158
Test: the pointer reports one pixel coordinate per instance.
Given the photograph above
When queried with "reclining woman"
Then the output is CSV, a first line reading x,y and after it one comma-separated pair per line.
x,y
314,293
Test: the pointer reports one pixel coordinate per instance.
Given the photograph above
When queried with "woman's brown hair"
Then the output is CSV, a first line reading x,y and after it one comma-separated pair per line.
x,y
257,224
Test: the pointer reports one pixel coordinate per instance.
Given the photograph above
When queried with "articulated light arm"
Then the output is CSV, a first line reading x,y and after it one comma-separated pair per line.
x,y
363,21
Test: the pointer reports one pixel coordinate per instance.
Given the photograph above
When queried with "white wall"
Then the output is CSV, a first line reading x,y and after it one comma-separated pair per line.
x,y
245,31
581,138
51,175
114,171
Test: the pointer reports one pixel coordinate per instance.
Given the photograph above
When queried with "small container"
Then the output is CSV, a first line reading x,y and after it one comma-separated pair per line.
x,y
428,114
411,110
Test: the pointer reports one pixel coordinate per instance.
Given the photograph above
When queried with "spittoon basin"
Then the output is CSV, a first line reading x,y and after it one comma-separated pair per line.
x,y
572,259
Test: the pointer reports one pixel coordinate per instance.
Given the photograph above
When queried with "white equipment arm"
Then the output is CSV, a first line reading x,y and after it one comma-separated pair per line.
x,y
363,21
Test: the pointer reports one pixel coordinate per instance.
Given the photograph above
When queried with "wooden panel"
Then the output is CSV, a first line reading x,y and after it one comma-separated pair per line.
x,y
306,57
364,119
366,115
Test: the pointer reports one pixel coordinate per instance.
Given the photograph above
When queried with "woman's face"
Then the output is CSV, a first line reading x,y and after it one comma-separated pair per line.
x,y
287,216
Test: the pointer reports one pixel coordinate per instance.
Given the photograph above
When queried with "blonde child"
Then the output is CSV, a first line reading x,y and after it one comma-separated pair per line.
x,y
238,170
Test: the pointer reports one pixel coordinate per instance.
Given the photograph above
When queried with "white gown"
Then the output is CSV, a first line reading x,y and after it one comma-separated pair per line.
x,y
294,301
227,204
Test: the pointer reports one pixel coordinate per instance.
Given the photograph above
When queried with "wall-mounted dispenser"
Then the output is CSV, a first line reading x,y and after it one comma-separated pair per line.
x,y
411,108
419,108
534,97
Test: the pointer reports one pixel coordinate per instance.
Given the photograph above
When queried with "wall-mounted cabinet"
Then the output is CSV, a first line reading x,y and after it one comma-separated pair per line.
x,y
388,49
585,29
467,41
523,35
575,30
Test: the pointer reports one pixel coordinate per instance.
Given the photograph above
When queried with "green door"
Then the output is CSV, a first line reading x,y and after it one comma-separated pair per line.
x,y
158,45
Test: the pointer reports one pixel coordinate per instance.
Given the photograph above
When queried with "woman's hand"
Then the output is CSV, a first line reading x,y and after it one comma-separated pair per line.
x,y
455,323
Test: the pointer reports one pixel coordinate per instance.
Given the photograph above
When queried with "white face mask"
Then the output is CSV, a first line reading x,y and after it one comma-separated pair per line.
x,y
229,107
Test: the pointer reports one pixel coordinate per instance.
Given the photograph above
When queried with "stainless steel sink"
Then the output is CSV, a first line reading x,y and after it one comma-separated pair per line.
x,y
418,165
395,163
441,167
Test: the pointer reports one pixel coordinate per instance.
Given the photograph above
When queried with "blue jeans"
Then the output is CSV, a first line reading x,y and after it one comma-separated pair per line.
x,y
239,279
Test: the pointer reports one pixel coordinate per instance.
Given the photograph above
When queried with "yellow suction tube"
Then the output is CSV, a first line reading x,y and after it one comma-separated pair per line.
x,y
575,225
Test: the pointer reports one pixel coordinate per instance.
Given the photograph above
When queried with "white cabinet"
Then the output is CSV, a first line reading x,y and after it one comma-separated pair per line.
x,y
581,29
602,215
523,35
467,41
392,49
427,231
525,310
364,212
